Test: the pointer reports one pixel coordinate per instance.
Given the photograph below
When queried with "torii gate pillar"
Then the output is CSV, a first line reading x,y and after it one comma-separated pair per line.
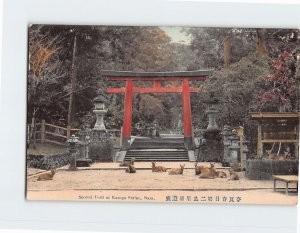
x,y
187,115
127,120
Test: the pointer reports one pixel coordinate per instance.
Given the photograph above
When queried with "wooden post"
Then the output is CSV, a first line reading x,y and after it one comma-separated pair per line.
x,y
68,132
241,152
297,144
259,142
34,136
121,136
43,129
240,133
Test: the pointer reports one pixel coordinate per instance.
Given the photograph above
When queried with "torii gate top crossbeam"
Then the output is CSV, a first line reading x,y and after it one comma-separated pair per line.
x,y
156,76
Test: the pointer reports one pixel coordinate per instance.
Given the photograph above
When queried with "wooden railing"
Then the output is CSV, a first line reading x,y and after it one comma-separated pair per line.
x,y
48,133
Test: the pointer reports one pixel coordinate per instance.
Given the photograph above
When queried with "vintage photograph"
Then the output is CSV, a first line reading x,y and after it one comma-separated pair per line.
x,y
157,114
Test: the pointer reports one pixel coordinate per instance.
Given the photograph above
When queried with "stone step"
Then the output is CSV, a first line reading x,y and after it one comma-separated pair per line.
x,y
157,149
156,156
158,159
157,146
156,152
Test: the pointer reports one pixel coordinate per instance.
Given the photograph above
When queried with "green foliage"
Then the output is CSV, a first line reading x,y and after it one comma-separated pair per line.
x,y
236,89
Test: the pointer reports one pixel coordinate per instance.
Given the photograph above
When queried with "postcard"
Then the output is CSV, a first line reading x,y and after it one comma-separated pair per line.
x,y
154,114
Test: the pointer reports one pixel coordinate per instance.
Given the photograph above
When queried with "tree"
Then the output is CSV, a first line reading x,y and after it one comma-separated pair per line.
x,y
211,43
261,41
227,51
282,93
43,73
236,88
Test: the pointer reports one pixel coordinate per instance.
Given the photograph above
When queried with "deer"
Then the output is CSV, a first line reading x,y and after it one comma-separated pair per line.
x,y
198,168
127,163
221,174
177,171
208,172
236,168
158,168
233,175
47,176
130,169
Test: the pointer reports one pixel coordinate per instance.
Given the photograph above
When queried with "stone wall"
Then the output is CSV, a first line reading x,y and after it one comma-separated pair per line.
x,y
47,162
264,169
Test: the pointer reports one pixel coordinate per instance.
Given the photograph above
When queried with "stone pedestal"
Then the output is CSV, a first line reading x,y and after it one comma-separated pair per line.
x,y
234,150
212,149
101,147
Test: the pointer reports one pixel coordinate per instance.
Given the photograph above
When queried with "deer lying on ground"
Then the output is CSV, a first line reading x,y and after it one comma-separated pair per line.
x,y
126,163
221,174
198,168
177,171
158,168
47,176
130,169
233,175
236,168
208,172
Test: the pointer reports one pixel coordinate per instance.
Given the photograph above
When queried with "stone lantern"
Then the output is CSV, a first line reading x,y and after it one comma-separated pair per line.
x,y
100,111
212,113
73,146
83,159
226,133
100,145
212,150
234,149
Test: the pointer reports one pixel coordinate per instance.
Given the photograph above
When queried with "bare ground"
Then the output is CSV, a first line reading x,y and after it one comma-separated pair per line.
x,y
110,178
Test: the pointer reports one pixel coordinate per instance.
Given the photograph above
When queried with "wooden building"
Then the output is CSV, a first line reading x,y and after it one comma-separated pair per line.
x,y
277,128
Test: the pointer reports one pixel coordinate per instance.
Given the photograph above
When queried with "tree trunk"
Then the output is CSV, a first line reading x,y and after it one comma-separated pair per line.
x,y
261,41
71,111
227,51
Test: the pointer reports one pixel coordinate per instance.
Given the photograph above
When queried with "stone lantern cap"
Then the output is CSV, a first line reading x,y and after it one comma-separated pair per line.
x,y
99,99
99,102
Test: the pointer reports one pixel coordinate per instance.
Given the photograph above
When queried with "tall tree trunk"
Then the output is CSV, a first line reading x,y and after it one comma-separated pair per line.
x,y
71,111
32,130
261,41
227,51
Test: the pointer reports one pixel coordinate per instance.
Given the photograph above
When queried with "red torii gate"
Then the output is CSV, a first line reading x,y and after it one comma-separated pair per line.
x,y
157,78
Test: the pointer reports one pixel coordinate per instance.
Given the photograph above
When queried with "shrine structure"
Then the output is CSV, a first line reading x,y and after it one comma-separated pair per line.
x,y
157,79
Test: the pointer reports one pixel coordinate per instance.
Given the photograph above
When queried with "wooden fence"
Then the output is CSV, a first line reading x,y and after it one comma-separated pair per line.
x,y
48,133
